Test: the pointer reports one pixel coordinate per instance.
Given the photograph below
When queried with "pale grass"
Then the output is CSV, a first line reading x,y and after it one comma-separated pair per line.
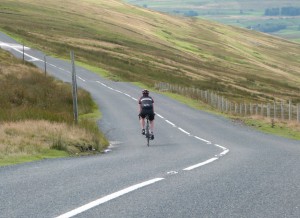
x,y
289,129
17,70
32,137
80,42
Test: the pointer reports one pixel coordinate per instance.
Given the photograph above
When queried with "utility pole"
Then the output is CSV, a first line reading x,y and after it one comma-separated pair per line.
x,y
74,85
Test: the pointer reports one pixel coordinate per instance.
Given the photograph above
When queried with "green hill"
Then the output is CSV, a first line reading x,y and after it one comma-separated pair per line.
x,y
251,14
137,44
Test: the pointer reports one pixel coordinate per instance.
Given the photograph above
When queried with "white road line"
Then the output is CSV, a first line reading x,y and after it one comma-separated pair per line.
x,y
52,65
15,47
12,45
201,164
32,60
102,84
220,146
224,152
182,130
108,198
208,142
170,123
160,116
81,78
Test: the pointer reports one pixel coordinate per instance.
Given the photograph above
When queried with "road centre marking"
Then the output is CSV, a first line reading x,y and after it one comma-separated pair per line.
x,y
81,78
160,116
182,130
108,198
170,123
201,164
224,152
208,142
220,146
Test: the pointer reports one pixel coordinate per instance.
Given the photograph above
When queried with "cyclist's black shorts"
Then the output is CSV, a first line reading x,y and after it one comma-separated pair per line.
x,y
149,112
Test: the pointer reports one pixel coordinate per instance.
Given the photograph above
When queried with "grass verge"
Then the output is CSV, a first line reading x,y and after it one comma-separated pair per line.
x,y
38,139
277,127
37,116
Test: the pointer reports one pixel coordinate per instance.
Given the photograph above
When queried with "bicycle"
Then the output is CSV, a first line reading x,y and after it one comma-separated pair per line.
x,y
147,130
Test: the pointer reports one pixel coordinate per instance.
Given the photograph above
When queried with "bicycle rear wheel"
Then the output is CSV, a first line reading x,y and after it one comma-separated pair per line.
x,y
147,132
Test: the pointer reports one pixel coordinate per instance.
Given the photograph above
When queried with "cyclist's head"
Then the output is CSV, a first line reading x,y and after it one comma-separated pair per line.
x,y
145,92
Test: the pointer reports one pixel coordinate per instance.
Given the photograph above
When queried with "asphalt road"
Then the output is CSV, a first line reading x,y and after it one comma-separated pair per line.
x,y
199,165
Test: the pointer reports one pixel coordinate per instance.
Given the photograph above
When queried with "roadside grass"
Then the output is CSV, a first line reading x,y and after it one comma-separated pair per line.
x,y
280,128
19,158
276,127
37,116
32,140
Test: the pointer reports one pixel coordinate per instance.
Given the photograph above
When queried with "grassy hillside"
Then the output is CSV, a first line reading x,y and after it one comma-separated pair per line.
x,y
36,116
242,13
141,45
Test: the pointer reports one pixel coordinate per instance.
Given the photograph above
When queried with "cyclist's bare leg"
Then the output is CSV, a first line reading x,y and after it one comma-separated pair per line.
x,y
142,122
152,126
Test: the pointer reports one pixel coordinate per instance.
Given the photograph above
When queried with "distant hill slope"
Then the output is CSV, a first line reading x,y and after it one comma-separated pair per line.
x,y
281,18
142,45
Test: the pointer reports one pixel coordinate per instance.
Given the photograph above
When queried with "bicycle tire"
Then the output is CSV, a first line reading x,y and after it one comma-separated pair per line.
x,y
147,131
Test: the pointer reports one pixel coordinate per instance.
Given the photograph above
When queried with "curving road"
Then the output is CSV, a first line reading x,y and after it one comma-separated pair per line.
x,y
199,165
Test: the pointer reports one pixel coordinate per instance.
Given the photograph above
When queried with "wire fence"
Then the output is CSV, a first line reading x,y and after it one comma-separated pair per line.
x,y
284,110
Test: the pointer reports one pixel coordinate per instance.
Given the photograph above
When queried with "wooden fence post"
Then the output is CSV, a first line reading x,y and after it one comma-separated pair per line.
x,y
282,110
256,110
274,110
290,109
298,113
241,109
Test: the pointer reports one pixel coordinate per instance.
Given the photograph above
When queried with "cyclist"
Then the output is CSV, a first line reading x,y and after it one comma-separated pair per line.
x,y
146,106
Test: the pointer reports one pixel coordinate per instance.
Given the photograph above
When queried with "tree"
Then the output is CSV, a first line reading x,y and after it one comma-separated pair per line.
x,y
272,12
290,11
191,13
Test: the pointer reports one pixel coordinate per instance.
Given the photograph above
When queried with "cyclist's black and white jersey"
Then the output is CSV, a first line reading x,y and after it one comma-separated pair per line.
x,y
146,102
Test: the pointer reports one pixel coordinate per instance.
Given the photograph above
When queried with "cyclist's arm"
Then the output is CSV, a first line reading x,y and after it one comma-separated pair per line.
x,y
153,104
140,106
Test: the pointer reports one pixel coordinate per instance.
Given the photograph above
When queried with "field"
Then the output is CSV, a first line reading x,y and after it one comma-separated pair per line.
x,y
136,44
238,13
